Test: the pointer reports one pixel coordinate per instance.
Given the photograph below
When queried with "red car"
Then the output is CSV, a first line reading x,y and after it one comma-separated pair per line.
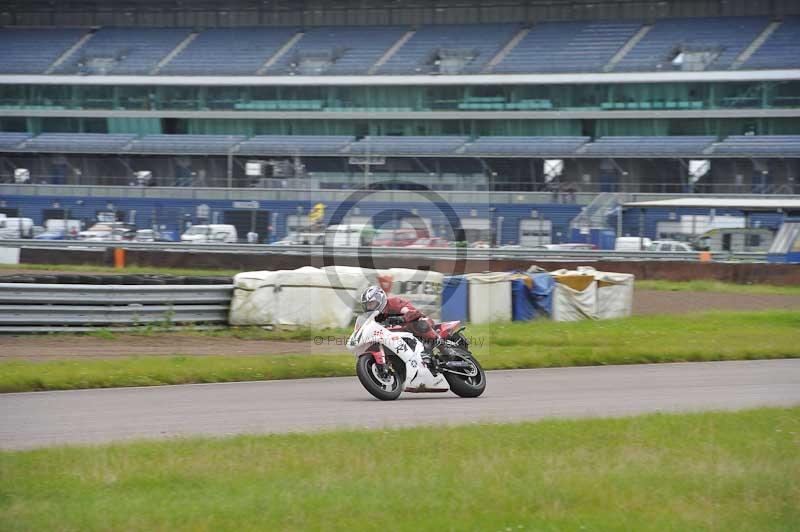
x,y
433,242
395,238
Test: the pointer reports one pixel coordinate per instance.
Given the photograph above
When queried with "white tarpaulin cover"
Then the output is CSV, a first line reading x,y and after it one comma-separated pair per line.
x,y
614,295
306,296
586,293
322,297
9,255
490,297
422,288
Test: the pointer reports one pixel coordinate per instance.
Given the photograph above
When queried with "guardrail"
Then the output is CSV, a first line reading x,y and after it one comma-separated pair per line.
x,y
27,307
388,252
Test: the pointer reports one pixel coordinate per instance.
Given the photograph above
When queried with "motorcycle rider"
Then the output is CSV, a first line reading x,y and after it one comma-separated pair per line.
x,y
421,370
418,324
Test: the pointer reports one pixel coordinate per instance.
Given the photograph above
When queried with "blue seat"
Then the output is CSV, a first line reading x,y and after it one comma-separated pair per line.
x,y
340,50
754,145
79,142
186,144
567,47
526,146
729,36
295,145
228,51
409,145
644,146
32,51
125,51
11,141
420,53
780,50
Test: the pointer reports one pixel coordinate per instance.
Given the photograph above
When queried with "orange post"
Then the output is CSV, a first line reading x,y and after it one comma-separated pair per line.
x,y
705,256
119,258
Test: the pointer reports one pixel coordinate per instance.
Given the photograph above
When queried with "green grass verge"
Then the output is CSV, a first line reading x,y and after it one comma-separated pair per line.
x,y
643,339
711,471
718,286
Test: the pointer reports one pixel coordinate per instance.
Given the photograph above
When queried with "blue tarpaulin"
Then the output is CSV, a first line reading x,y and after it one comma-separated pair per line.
x,y
455,298
531,296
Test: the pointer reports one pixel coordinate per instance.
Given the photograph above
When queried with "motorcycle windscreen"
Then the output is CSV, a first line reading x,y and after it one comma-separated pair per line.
x,y
359,335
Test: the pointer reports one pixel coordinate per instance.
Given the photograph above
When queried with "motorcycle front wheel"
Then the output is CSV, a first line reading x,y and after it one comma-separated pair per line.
x,y
462,385
385,385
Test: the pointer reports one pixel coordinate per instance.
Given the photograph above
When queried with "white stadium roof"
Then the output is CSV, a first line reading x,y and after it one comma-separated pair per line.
x,y
744,204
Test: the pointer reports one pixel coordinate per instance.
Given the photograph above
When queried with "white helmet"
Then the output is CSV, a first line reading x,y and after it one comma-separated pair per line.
x,y
373,298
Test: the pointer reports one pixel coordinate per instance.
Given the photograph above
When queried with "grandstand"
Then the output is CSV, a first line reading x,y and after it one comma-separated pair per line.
x,y
542,47
453,98
685,146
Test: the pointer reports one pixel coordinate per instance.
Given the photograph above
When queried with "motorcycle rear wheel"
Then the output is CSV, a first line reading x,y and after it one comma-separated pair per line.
x,y
464,386
368,374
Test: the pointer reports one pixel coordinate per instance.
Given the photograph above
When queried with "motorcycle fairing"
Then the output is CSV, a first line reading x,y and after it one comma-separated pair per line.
x,y
418,377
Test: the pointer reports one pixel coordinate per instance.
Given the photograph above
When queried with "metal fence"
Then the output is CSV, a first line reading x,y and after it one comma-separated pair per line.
x,y
27,307
517,253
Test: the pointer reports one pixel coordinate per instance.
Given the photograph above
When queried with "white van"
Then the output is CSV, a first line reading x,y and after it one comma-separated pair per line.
x,y
210,234
16,228
632,243
67,226
349,235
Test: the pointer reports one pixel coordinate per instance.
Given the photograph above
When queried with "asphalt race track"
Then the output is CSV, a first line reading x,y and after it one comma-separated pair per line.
x,y
29,420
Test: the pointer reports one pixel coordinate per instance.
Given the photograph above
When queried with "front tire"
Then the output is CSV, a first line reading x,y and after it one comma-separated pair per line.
x,y
385,389
464,386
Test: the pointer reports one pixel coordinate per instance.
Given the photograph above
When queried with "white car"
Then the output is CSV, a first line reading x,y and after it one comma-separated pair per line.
x,y
105,231
632,243
569,246
210,234
147,235
669,245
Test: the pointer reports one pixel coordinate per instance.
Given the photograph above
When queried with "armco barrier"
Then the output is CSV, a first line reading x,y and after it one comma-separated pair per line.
x,y
384,252
30,307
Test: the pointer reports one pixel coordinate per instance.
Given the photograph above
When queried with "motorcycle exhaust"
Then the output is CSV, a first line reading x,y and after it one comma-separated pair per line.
x,y
458,365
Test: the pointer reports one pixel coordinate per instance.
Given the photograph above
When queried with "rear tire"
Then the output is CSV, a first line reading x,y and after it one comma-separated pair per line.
x,y
366,369
467,386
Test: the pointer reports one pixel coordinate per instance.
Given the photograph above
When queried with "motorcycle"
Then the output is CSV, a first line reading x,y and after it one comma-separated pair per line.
x,y
390,359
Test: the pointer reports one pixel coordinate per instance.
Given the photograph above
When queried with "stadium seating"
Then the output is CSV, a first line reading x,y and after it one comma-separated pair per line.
x,y
407,145
245,51
728,36
32,51
526,146
460,42
771,145
781,49
570,46
567,47
684,146
124,51
294,145
186,144
453,146
10,141
79,142
337,50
